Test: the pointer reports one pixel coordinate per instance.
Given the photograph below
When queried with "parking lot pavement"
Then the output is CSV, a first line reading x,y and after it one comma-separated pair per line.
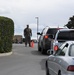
x,y
23,61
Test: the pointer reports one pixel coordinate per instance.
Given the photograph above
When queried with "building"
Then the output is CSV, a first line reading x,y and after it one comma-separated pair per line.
x,y
17,39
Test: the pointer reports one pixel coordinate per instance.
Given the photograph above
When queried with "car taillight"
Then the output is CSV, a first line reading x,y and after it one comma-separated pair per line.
x,y
55,47
70,68
46,36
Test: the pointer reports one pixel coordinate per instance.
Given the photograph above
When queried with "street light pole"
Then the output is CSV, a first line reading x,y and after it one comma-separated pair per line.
x,y
37,25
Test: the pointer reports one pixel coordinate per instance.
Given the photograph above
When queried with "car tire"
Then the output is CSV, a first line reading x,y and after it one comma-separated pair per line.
x,y
47,70
42,51
39,48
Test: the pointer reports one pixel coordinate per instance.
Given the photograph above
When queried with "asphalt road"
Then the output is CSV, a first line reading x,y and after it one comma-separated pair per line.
x,y
23,61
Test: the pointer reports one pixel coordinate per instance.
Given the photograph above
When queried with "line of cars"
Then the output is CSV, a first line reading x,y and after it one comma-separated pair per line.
x,y
45,39
50,38
59,44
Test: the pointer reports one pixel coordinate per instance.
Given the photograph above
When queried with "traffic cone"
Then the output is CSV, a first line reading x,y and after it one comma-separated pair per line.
x,y
32,44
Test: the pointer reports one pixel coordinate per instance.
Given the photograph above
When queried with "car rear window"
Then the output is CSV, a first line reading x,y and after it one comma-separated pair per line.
x,y
52,31
66,35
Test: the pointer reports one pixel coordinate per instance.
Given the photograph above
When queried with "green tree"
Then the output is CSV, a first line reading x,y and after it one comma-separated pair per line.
x,y
70,24
6,34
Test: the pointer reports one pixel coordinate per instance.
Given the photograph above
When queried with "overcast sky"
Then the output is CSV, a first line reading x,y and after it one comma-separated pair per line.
x,y
50,12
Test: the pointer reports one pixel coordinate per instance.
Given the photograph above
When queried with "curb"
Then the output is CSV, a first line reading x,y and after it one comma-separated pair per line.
x,y
5,54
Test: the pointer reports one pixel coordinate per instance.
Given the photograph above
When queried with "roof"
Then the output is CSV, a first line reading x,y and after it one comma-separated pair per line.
x,y
71,42
66,30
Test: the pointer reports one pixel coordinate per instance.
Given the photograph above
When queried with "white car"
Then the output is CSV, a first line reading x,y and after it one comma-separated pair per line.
x,y
62,61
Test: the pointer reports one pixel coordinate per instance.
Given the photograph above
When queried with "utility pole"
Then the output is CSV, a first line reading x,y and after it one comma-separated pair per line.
x,y
37,25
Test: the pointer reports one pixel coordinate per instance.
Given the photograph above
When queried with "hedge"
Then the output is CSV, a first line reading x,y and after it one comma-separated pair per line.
x,y
6,34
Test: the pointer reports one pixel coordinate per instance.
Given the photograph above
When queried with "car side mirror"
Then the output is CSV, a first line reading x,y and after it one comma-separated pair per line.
x,y
38,33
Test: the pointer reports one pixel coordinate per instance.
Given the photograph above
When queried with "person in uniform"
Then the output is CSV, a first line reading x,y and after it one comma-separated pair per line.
x,y
27,35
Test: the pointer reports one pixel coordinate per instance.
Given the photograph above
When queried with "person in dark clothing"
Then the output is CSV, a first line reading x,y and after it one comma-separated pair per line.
x,y
27,35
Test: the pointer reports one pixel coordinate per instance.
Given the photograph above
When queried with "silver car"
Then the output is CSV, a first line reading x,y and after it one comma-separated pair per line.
x,y
62,61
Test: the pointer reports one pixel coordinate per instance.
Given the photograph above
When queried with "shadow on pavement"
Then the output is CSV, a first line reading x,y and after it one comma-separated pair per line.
x,y
42,63
37,53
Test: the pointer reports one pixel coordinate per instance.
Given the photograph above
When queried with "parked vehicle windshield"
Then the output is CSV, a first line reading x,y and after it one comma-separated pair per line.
x,y
62,50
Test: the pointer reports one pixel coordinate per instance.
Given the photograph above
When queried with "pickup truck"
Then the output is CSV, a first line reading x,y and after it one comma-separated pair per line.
x,y
61,36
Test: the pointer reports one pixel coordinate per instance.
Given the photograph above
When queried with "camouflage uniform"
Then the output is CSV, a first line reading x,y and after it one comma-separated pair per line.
x,y
27,35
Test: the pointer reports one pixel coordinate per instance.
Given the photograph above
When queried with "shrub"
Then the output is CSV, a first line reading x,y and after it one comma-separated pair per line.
x,y
6,34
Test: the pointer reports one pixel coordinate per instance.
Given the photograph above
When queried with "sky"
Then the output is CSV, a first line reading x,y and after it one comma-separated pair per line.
x,y
52,13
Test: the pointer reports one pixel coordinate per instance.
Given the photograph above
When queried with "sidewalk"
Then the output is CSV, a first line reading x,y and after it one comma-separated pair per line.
x,y
5,54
